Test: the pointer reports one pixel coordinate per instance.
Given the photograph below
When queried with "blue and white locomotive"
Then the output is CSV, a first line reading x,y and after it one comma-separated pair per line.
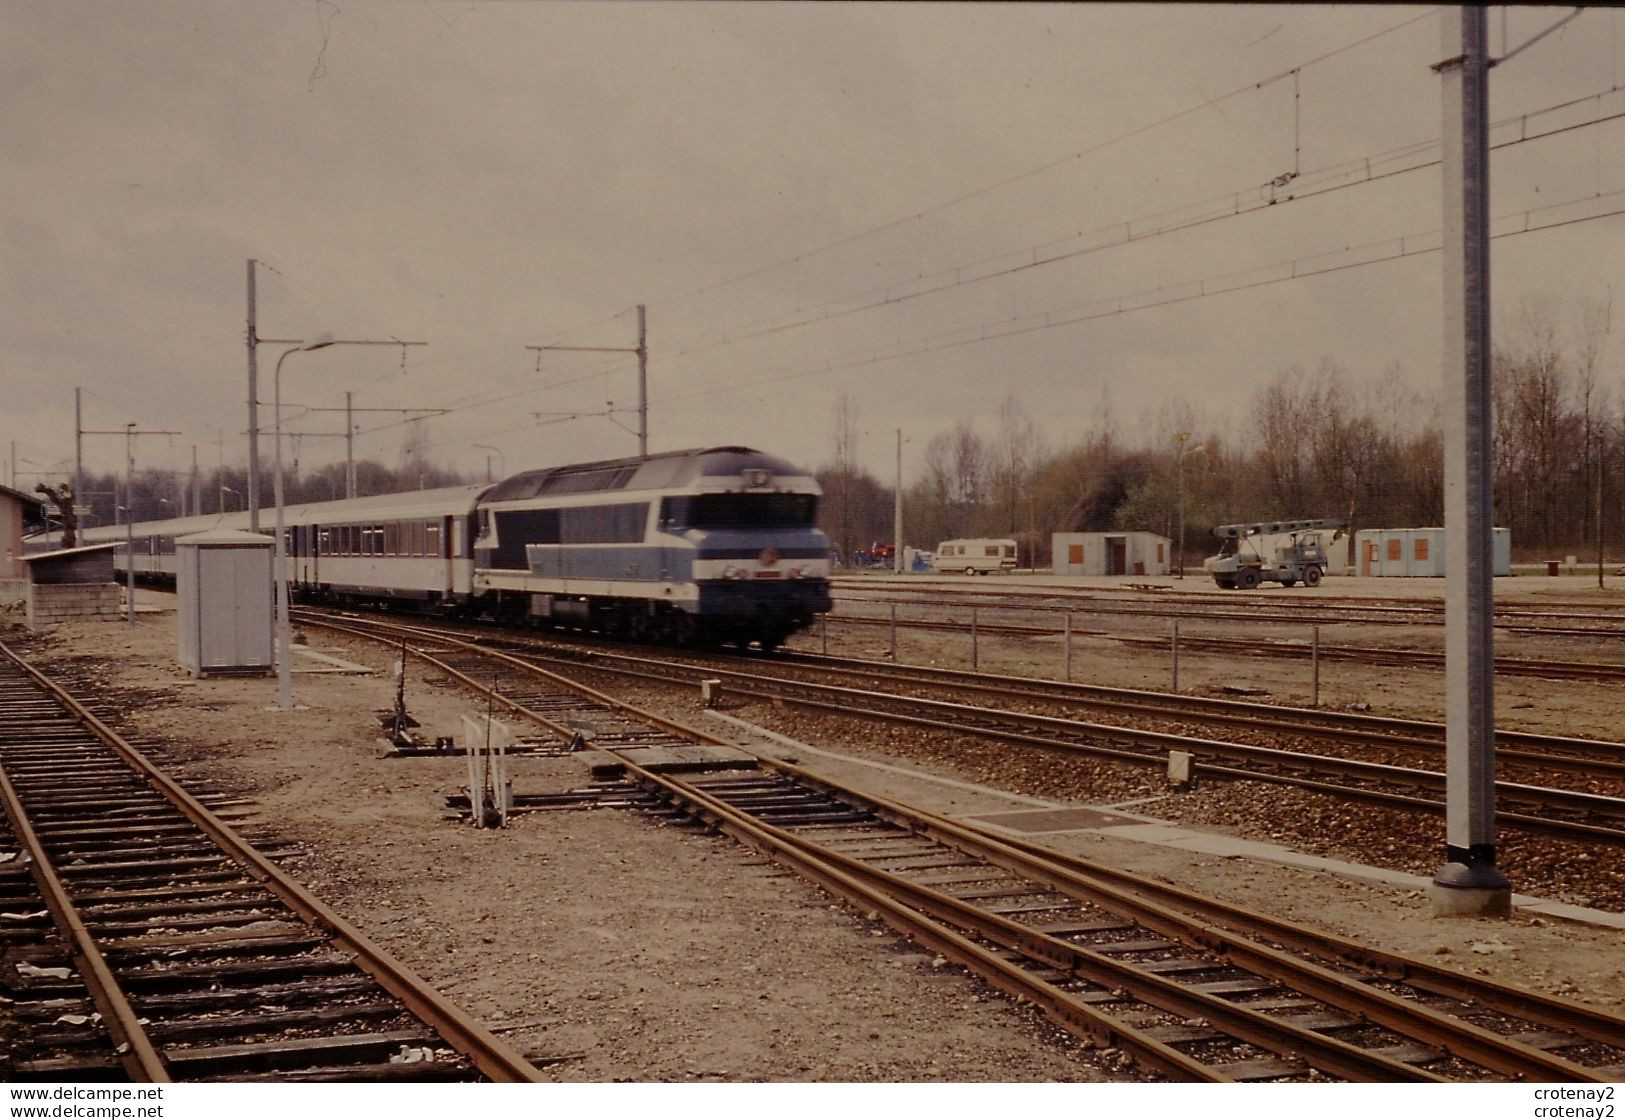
x,y
707,545
712,545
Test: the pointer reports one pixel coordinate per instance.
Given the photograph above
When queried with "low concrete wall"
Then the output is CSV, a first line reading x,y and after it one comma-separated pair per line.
x,y
51,603
13,590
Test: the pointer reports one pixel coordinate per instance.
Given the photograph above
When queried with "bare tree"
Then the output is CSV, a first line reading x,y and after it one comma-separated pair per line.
x,y
1014,454
843,475
1286,409
62,498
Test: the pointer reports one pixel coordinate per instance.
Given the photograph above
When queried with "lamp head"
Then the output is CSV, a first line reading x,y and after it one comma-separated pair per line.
x,y
318,342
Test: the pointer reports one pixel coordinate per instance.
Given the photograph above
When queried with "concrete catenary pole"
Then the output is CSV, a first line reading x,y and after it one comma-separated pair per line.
x,y
349,445
253,410
643,381
897,511
1469,882
78,447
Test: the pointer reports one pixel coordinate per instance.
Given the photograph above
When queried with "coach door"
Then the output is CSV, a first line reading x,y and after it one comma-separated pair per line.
x,y
450,545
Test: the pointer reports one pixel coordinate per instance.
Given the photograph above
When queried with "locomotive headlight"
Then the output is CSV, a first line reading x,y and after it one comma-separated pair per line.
x,y
733,571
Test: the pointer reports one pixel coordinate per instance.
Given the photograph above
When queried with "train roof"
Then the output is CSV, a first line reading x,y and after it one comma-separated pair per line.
x,y
640,472
406,505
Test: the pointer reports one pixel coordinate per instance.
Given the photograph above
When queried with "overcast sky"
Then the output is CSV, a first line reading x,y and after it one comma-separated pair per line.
x,y
811,199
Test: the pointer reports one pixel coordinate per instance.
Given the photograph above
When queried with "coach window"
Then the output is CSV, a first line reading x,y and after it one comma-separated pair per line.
x,y
431,539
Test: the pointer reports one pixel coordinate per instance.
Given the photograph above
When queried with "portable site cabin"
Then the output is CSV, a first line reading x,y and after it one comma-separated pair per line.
x,y
976,556
1417,552
1110,554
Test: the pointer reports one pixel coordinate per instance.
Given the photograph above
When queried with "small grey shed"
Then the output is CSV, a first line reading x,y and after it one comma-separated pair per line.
x,y
225,603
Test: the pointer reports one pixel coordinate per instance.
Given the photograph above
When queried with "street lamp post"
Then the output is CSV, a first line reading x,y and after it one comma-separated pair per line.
x,y
224,490
284,628
1179,474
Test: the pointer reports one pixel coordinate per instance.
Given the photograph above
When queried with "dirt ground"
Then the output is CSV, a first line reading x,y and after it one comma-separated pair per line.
x,y
631,951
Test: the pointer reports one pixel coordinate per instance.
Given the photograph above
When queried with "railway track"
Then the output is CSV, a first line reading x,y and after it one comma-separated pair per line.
x,y
1180,994
1564,618
1592,761
148,941
1589,759
1567,813
1255,647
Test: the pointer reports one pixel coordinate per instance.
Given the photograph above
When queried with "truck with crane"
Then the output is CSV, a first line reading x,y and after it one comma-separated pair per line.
x,y
1300,558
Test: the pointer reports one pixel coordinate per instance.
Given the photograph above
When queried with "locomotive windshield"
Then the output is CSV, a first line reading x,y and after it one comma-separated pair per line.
x,y
739,511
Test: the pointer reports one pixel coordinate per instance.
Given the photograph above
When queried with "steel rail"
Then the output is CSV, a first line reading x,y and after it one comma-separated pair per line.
x,y
1547,1010
1364,655
1462,1039
135,1051
1524,747
1355,726
958,719
653,718
1074,1015
1061,1007
904,905
1338,610
488,1054
1074,877
1288,760
843,874
1276,1036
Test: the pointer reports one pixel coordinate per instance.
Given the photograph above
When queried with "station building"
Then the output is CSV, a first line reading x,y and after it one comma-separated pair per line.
x,y
18,512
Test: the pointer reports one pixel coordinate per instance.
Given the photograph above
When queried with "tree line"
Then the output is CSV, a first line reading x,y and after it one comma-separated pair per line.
x,y
1320,442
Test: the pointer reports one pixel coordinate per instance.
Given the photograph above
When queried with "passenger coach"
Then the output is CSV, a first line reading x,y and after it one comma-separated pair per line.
x,y
713,545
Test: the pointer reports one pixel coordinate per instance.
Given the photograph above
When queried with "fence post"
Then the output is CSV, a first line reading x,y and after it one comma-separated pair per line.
x,y
1174,645
823,631
894,633
1068,645
975,660
1314,659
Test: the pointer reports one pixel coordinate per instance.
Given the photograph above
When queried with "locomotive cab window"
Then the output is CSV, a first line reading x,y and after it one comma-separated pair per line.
x,y
739,511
